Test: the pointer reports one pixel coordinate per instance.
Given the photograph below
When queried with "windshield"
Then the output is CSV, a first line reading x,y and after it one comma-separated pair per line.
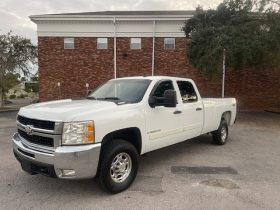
x,y
125,90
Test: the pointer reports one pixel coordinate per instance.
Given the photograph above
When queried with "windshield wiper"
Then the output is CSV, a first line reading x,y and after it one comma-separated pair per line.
x,y
108,98
105,98
112,98
91,98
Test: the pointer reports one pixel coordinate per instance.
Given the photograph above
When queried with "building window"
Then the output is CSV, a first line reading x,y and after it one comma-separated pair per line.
x,y
102,43
69,43
135,43
169,43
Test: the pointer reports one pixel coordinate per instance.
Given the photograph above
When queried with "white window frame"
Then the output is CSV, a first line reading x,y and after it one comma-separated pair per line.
x,y
101,41
135,41
166,43
69,43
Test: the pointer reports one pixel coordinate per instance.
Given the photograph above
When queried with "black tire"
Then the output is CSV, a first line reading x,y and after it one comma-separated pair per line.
x,y
220,136
110,153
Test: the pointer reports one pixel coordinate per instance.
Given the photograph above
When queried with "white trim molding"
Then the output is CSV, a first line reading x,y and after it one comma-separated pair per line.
x,y
110,26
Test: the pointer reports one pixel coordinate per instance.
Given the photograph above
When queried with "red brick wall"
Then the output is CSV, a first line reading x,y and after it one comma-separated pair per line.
x,y
254,89
175,63
73,68
134,62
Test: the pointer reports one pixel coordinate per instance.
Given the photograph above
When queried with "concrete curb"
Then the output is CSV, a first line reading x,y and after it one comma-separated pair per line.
x,y
9,110
272,111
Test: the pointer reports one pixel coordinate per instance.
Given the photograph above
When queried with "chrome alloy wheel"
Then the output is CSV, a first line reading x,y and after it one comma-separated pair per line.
x,y
223,134
121,167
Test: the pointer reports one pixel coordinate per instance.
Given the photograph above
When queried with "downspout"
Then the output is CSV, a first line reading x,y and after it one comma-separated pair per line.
x,y
153,54
115,50
224,73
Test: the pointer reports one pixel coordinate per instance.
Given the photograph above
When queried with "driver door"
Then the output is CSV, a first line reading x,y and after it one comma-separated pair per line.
x,y
164,124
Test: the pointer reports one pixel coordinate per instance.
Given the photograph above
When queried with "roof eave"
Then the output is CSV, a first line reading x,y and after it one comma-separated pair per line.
x,y
36,18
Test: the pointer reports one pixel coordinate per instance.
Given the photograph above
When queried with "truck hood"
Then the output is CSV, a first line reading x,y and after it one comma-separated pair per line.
x,y
65,110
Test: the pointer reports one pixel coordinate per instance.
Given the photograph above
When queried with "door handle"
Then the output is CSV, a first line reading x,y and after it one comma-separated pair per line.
x,y
198,109
177,112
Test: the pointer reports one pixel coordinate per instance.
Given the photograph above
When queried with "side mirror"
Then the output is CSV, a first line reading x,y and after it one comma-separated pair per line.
x,y
152,101
169,99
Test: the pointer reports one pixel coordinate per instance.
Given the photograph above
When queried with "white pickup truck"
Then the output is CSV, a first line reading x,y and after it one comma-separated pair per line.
x,y
103,135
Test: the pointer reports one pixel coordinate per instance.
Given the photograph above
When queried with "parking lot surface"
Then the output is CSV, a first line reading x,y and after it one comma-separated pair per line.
x,y
195,174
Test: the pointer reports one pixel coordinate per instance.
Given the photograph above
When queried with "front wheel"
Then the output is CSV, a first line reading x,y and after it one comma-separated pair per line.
x,y
118,167
220,136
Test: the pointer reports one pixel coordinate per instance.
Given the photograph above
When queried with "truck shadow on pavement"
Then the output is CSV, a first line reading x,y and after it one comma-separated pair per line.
x,y
180,150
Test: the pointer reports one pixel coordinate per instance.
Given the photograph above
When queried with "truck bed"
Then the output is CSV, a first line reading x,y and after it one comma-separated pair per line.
x,y
214,108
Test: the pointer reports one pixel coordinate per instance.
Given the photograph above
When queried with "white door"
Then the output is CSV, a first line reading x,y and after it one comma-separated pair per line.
x,y
192,110
164,124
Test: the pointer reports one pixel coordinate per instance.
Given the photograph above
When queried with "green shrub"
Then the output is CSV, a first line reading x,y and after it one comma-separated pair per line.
x,y
13,96
28,90
34,101
31,86
22,96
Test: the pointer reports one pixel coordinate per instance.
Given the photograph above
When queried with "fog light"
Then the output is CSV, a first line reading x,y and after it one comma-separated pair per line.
x,y
68,172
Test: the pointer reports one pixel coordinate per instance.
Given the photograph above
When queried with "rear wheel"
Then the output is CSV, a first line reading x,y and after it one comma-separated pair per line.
x,y
220,136
118,167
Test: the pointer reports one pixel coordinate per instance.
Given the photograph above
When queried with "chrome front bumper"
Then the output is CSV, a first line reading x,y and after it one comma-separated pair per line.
x,y
81,159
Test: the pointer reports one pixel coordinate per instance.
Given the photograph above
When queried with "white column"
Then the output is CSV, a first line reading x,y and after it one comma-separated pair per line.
x,y
115,50
224,73
153,53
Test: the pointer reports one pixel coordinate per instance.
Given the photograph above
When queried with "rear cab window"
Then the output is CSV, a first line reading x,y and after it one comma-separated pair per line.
x,y
187,92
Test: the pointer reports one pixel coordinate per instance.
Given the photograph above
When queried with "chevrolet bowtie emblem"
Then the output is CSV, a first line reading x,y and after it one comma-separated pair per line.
x,y
29,129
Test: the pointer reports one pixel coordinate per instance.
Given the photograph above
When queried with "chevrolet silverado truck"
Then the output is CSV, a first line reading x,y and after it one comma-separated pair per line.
x,y
103,135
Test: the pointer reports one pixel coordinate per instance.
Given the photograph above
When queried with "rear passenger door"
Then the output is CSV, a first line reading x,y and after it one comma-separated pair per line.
x,y
192,109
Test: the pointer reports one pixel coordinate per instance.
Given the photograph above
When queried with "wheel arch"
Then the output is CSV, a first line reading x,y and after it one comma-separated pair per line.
x,y
227,117
132,135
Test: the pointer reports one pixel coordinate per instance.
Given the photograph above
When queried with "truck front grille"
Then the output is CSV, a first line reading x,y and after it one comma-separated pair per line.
x,y
40,140
42,124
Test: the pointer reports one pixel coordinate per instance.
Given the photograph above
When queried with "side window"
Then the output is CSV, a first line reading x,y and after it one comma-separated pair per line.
x,y
187,91
162,87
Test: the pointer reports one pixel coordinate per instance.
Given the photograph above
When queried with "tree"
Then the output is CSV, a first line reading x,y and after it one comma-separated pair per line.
x,y
248,30
16,55
10,81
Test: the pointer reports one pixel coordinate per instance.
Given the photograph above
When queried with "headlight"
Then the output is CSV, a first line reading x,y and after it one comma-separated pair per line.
x,y
78,133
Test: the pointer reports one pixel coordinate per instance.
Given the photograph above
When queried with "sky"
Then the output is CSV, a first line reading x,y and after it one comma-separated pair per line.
x,y
14,13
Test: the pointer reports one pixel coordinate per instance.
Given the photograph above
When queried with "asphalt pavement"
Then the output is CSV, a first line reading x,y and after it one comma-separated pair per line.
x,y
195,174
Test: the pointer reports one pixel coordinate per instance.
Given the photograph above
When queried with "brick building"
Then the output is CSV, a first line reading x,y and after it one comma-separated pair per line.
x,y
76,49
